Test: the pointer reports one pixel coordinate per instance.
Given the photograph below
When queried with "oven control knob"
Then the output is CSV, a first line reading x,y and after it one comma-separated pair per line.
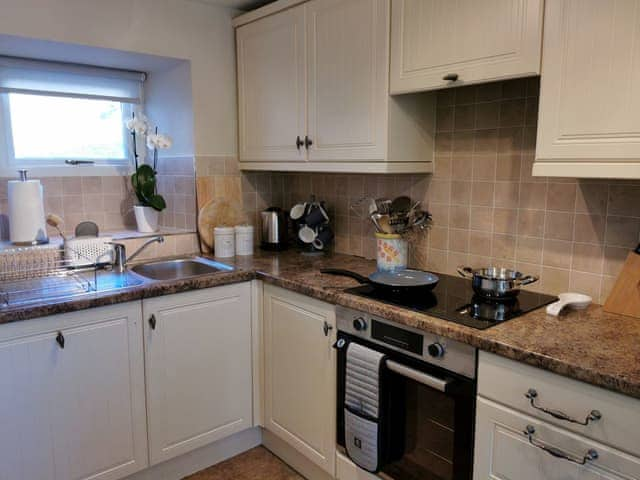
x,y
359,324
436,350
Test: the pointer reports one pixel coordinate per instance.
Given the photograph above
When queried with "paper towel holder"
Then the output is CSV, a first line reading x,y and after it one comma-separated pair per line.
x,y
35,223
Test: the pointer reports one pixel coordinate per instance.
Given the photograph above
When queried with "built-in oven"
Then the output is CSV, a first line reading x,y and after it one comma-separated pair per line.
x,y
427,405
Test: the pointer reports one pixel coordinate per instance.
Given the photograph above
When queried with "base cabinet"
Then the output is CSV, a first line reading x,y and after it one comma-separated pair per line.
x,y
520,439
503,450
198,368
300,374
72,396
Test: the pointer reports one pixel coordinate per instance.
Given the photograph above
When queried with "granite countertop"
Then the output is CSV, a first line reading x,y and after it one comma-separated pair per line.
x,y
591,345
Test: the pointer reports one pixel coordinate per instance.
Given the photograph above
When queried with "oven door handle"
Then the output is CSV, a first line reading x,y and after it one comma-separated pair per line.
x,y
420,377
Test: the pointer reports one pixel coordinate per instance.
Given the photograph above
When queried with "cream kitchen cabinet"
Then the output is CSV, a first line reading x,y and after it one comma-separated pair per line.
x,y
589,115
440,43
313,92
300,373
198,368
512,432
72,396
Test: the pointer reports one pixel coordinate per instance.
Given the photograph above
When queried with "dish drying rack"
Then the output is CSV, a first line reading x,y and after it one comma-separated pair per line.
x,y
36,275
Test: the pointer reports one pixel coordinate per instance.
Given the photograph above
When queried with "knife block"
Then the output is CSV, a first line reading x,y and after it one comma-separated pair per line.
x,y
624,298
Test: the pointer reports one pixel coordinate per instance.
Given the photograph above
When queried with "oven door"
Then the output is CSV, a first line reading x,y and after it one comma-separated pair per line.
x,y
430,415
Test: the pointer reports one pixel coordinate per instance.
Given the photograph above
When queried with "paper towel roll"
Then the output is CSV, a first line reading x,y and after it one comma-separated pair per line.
x,y
26,213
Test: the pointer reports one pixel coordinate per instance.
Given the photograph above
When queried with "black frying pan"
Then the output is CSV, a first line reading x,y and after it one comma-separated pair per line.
x,y
400,281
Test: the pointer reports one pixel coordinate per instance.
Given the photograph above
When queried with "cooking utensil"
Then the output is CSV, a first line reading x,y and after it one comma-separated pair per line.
x,y
399,281
381,222
400,205
577,301
56,222
624,298
383,205
496,282
87,229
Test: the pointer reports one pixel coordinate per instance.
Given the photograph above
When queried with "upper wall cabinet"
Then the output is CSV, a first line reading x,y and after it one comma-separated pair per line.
x,y
313,92
442,43
589,120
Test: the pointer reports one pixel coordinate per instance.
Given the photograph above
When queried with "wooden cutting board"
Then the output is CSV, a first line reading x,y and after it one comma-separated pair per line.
x,y
624,298
219,204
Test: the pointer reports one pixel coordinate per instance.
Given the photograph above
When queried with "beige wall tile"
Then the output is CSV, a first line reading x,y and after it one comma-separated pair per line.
x,y
531,223
506,194
589,228
533,195
622,231
587,258
529,250
561,196
481,218
505,220
558,225
591,198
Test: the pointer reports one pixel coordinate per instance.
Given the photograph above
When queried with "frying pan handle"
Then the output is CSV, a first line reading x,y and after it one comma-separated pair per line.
x,y
527,280
345,273
466,272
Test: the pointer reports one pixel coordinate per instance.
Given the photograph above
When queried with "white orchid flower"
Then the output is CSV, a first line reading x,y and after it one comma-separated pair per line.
x,y
138,124
159,141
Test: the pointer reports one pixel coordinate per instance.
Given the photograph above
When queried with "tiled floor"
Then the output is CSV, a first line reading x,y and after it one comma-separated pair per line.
x,y
256,464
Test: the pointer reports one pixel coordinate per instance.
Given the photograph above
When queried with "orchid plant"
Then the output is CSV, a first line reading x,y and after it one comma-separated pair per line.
x,y
144,180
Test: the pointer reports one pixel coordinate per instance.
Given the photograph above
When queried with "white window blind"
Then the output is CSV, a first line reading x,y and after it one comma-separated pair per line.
x,y
19,75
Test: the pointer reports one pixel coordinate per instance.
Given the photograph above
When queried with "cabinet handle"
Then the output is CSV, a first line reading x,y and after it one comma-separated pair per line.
x,y
590,456
307,142
299,142
152,322
450,77
326,328
60,339
593,416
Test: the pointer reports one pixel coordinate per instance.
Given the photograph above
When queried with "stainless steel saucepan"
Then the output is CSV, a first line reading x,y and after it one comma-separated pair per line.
x,y
495,282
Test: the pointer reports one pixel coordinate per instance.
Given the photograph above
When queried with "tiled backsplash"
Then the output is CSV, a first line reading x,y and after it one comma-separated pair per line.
x,y
109,201
487,207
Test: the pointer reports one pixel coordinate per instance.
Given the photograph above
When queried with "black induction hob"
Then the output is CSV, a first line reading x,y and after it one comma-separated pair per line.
x,y
453,299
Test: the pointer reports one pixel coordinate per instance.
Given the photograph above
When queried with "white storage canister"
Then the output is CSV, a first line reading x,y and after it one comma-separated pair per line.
x,y
224,242
244,239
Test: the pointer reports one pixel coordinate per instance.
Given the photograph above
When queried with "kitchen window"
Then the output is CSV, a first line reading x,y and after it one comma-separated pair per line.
x,y
65,119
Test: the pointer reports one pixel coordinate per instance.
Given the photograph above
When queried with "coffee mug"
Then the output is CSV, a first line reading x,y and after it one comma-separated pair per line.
x,y
323,238
307,234
298,211
316,216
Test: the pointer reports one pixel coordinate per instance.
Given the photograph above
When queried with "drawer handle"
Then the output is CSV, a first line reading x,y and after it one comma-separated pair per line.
x,y
152,321
590,456
593,416
450,77
326,328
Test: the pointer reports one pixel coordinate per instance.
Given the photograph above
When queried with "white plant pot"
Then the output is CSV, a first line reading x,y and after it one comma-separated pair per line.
x,y
146,218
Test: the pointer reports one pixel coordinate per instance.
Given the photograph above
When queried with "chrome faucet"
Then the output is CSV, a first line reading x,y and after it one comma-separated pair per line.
x,y
121,260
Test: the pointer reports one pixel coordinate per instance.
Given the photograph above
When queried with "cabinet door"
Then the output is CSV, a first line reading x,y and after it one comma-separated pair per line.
x,y
271,87
198,366
75,412
503,452
478,40
347,43
590,95
300,374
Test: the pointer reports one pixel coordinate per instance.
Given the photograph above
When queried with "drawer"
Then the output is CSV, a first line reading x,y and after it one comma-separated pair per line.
x,y
504,452
508,382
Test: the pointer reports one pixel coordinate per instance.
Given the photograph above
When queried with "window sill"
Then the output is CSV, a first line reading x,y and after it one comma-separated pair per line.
x,y
56,242
70,171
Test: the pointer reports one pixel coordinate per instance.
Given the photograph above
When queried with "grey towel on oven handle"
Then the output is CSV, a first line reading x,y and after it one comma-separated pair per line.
x,y
362,385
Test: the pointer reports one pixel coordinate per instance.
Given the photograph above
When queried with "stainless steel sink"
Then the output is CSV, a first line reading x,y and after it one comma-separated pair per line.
x,y
179,268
